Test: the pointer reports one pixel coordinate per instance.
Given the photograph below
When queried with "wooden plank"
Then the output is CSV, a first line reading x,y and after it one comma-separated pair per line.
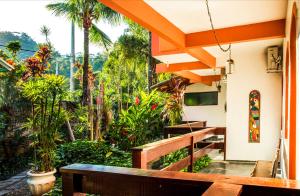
x,y
191,154
223,189
160,148
109,181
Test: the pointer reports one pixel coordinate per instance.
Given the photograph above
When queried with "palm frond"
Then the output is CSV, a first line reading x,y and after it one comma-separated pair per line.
x,y
70,10
106,14
97,36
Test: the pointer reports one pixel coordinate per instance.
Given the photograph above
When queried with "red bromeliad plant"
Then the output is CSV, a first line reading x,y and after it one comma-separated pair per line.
x,y
173,107
38,64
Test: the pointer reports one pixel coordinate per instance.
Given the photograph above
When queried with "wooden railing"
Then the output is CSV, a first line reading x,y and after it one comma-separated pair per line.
x,y
117,181
187,127
142,156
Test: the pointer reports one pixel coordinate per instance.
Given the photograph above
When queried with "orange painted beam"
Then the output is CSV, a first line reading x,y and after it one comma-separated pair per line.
x,y
162,47
145,15
164,68
236,34
195,78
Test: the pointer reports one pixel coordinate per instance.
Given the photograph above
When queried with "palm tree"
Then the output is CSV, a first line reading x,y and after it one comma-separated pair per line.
x,y
45,31
85,13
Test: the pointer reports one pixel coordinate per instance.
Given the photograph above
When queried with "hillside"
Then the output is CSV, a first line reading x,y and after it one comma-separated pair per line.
x,y
26,42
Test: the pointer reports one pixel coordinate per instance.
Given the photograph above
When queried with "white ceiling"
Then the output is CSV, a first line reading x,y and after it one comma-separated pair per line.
x,y
176,58
244,47
191,15
207,72
237,49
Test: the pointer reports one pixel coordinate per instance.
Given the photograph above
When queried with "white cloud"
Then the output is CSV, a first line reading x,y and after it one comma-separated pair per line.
x,y
29,15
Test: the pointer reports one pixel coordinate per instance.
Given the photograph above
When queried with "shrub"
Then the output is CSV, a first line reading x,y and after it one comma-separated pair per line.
x,y
182,153
91,152
140,124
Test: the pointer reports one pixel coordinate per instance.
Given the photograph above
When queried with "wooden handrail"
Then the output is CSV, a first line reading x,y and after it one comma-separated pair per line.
x,y
112,181
143,155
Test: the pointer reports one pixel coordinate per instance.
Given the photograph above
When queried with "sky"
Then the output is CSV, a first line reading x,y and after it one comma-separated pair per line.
x,y
29,15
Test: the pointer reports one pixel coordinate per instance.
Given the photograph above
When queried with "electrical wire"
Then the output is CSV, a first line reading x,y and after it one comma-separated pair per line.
x,y
64,56
214,31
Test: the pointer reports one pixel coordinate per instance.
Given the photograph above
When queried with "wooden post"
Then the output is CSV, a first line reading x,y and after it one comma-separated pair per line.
x,y
191,153
67,181
139,159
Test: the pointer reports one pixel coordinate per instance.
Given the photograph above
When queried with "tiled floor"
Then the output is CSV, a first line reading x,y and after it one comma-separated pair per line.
x,y
234,168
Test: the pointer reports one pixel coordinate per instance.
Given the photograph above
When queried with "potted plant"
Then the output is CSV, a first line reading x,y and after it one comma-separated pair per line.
x,y
45,94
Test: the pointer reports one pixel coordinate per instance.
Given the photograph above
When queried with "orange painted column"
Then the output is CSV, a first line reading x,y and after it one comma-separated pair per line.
x,y
287,68
293,98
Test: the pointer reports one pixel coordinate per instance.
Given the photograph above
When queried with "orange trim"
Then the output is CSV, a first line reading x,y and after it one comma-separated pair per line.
x,y
164,68
293,97
212,78
195,78
287,64
154,44
145,15
243,33
188,75
203,56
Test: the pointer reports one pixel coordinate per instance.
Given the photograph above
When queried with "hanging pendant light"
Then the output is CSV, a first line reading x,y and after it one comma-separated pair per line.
x,y
229,64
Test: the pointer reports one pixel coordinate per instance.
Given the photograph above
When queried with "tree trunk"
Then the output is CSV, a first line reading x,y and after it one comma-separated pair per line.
x,y
85,69
152,77
86,91
70,131
72,57
149,63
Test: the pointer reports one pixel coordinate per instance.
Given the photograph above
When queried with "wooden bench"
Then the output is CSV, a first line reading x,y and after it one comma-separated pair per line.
x,y
267,169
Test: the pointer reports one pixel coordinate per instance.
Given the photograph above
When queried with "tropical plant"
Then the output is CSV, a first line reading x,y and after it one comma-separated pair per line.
x,y
38,64
141,123
45,31
173,108
14,47
45,94
84,13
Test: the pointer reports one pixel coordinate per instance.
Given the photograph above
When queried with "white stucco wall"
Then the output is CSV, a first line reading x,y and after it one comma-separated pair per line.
x,y
250,74
215,115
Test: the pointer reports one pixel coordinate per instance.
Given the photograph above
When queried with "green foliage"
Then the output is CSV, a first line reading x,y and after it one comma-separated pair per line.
x,y
201,163
141,123
91,152
75,11
45,94
174,157
13,47
182,153
25,41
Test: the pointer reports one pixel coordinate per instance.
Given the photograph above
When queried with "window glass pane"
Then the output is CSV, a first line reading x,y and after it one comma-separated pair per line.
x,y
200,99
